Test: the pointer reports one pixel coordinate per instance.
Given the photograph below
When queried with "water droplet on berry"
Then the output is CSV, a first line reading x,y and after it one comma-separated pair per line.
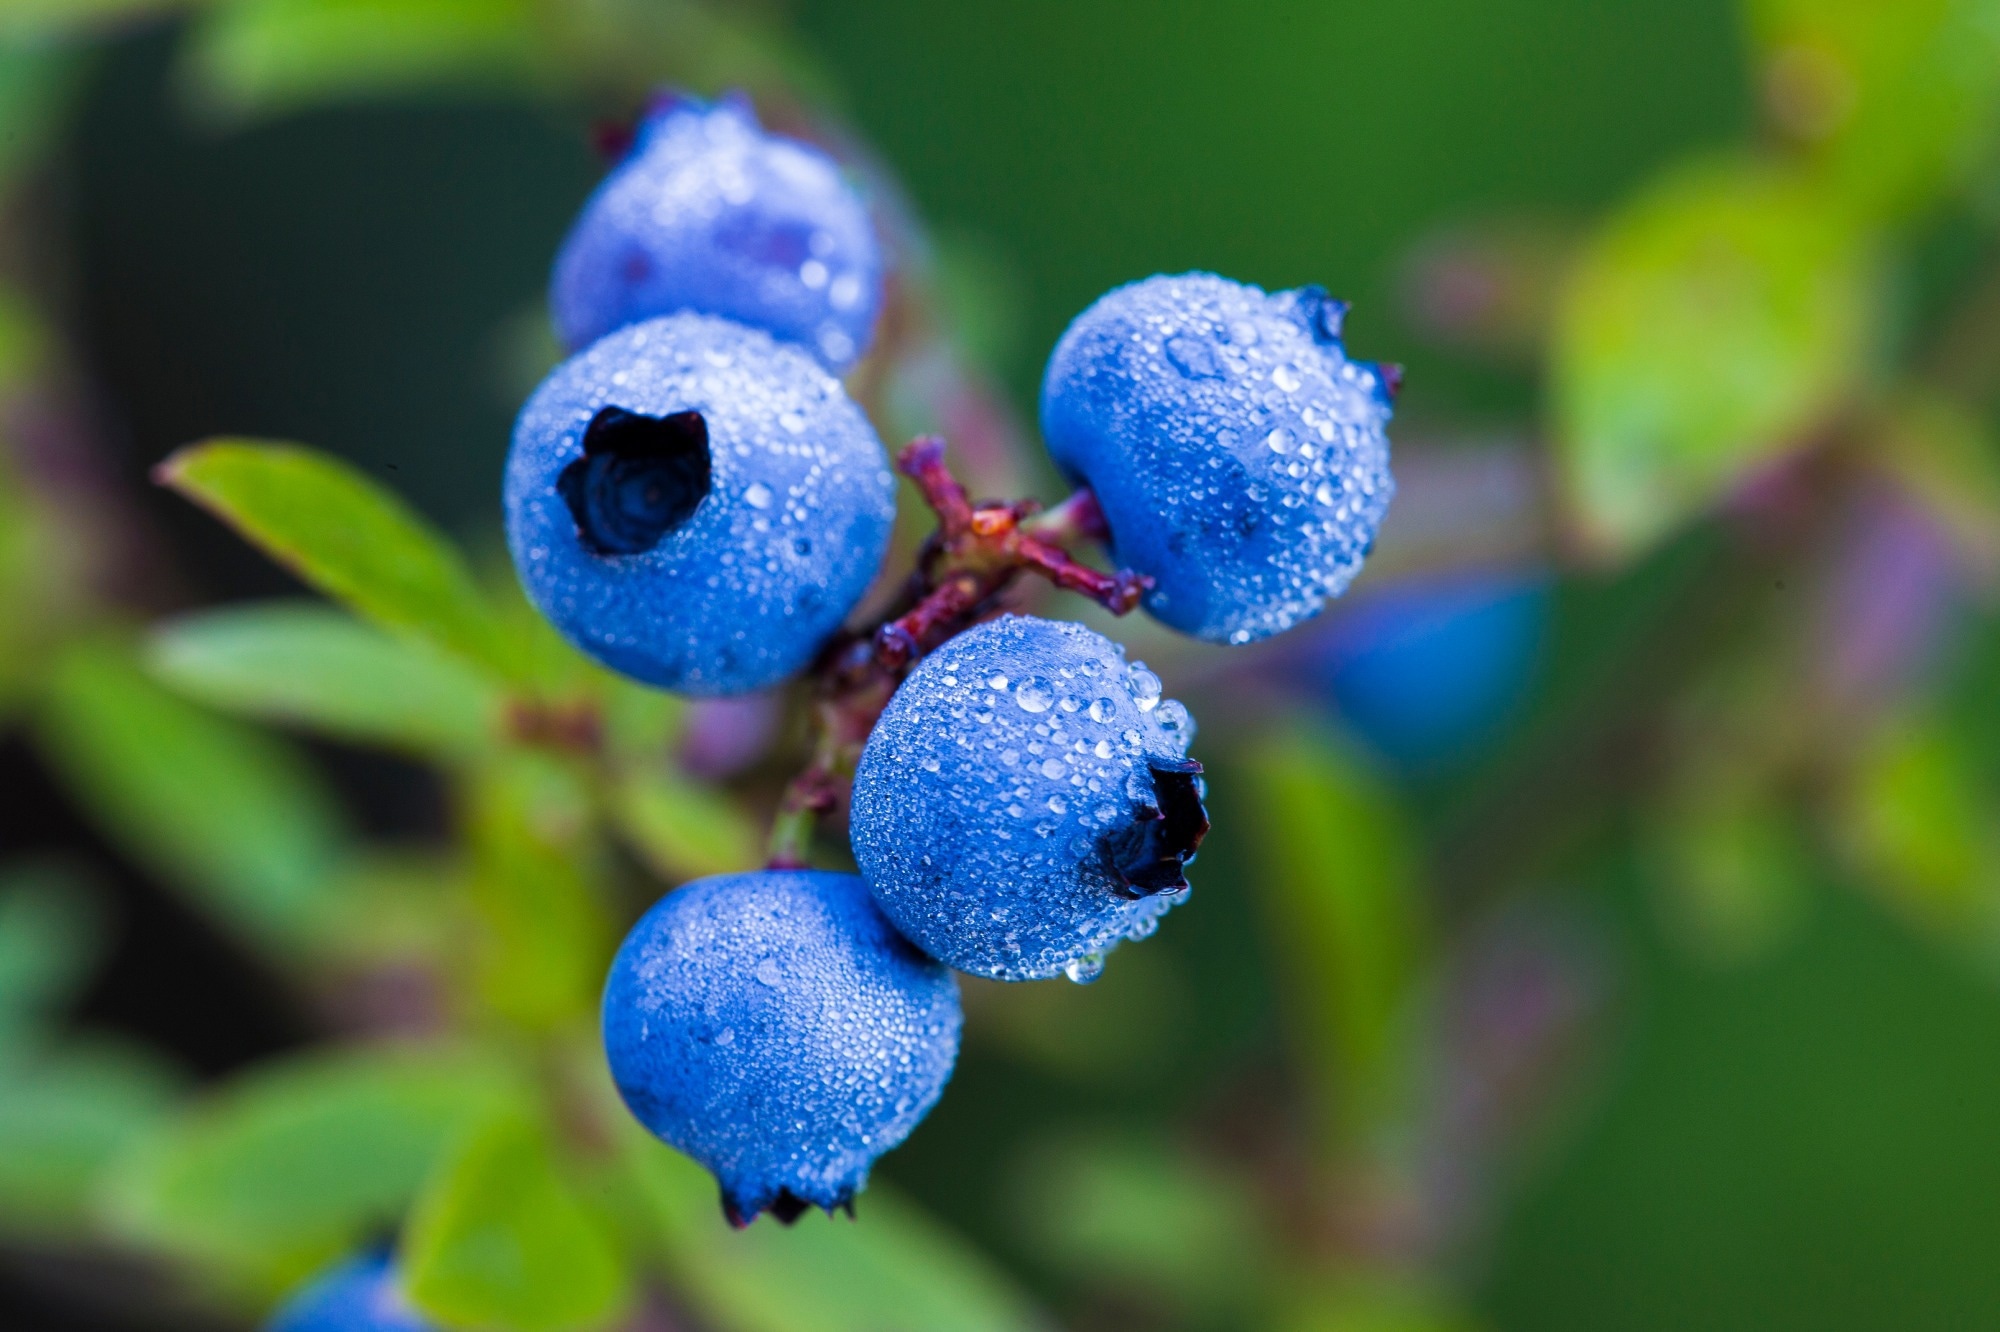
x,y
1103,710
768,973
1034,695
996,681
1145,687
757,495
1085,969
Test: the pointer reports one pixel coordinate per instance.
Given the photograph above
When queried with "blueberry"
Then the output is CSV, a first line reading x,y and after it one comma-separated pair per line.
x,y
359,1295
774,1027
709,213
1026,801
1428,670
1238,455
696,505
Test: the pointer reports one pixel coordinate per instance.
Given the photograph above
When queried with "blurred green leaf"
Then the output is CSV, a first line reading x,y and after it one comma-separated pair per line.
x,y
1923,829
1946,458
345,535
682,829
51,933
295,1163
894,1269
499,1239
1345,911
1123,1213
227,814
1897,100
1708,329
543,937
310,665
63,1119
264,57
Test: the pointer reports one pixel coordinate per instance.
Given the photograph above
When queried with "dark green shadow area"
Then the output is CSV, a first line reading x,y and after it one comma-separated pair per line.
x,y
1812,1141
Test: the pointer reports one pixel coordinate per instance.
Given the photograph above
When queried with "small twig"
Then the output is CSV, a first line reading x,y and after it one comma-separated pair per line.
x,y
974,556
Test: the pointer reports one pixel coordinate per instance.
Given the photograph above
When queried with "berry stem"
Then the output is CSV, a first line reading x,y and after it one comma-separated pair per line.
x,y
963,569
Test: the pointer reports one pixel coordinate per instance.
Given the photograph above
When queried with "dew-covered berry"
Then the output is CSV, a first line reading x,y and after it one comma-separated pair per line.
x,y
774,1027
709,213
1026,801
359,1295
1239,457
695,504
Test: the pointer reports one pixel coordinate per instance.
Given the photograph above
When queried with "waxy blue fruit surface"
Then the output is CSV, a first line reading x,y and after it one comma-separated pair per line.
x,y
997,803
774,1027
1239,456
768,509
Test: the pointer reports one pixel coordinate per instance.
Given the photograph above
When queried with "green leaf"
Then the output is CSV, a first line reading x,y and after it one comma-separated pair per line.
x,y
683,830
500,1239
229,815
1709,328
265,57
294,1164
339,531
310,665
1897,102
1345,912
543,937
63,1119
1921,826
894,1268
51,933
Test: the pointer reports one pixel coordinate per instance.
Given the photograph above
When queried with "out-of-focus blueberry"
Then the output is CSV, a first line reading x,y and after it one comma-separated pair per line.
x,y
711,214
359,1295
1427,669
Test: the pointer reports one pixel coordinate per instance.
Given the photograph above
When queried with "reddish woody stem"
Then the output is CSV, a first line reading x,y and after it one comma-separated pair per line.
x,y
974,556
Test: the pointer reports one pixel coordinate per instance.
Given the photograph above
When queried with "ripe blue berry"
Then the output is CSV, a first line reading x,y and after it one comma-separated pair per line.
x,y
775,1028
696,505
709,213
1238,455
360,1295
1026,801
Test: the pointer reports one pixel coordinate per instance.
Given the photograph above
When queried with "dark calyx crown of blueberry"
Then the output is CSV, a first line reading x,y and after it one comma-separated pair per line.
x,y
1151,854
1324,317
640,477
787,1207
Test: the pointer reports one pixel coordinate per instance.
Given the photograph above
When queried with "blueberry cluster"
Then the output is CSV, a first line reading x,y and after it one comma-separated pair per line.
x,y
693,500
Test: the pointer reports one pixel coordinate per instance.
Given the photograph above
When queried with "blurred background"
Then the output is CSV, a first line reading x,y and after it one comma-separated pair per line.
x,y
1602,922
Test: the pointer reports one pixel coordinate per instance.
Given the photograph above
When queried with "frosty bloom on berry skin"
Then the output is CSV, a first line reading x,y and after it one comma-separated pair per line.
x,y
709,213
1026,801
695,504
1239,457
776,1029
359,1295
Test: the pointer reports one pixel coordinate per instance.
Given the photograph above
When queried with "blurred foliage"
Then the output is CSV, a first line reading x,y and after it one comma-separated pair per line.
x,y
1770,670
